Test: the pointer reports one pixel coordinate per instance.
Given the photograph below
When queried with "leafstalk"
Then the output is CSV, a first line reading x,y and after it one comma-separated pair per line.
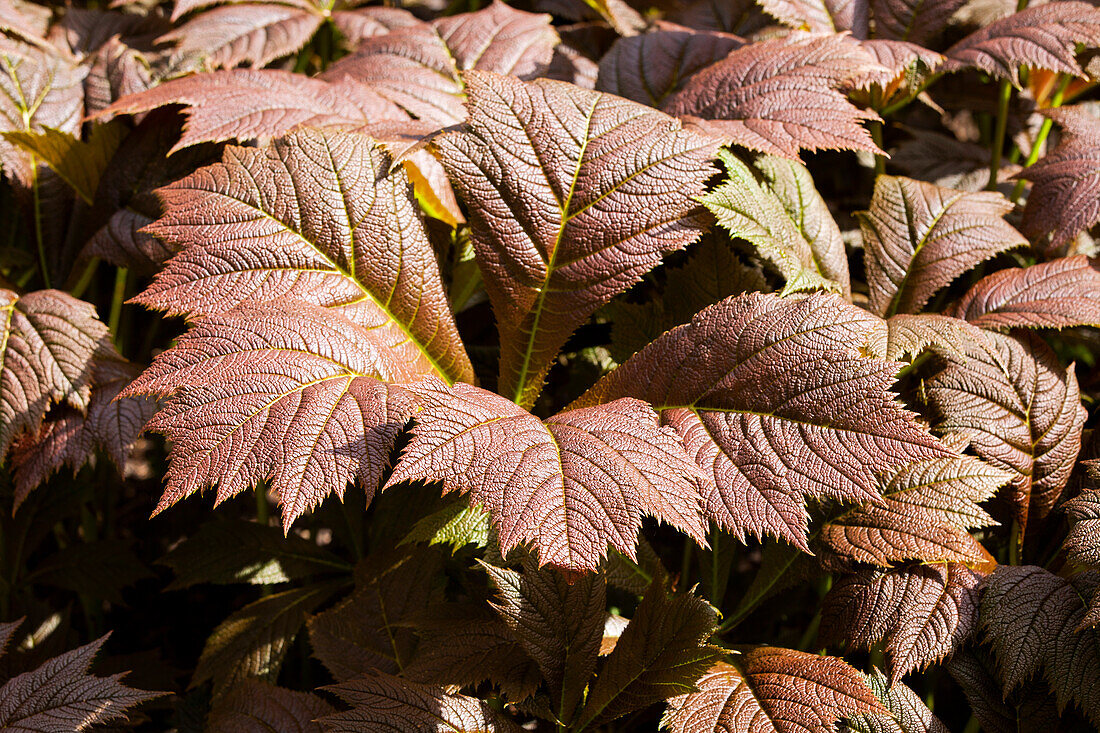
x,y
1041,137
117,297
1003,99
875,127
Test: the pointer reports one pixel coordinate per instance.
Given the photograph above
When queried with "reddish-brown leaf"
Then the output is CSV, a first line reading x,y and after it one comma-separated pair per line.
x,y
320,217
248,33
289,393
781,95
573,196
1021,409
571,485
919,237
1082,543
924,612
500,39
1032,617
1039,37
47,340
927,509
772,690
1065,192
1058,294
245,104
650,67
916,21
776,399
61,695
822,16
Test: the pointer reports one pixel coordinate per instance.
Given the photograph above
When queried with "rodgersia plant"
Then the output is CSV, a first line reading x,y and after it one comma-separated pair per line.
x,y
611,366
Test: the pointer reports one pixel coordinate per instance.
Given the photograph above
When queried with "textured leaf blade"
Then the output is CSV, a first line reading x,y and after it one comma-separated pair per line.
x,y
573,195
382,702
822,16
1021,409
779,96
1040,37
772,690
251,33
47,340
916,21
650,67
571,485
61,695
1057,294
1032,618
80,163
500,39
662,652
1082,543
753,213
773,398
246,234
923,612
558,623
927,508
1066,182
292,394
257,707
919,237
906,713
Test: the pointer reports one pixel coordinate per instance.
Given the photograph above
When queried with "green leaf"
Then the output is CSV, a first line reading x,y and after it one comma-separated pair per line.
x,y
80,164
662,652
753,213
233,551
457,525
253,641
559,621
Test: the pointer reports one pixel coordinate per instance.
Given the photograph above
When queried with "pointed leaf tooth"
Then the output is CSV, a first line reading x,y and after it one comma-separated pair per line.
x,y
571,485
1058,294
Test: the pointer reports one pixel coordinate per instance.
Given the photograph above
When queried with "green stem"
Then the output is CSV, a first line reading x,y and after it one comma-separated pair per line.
x,y
1015,543
262,515
749,603
36,212
972,726
1003,100
86,278
1041,138
117,298
685,559
876,134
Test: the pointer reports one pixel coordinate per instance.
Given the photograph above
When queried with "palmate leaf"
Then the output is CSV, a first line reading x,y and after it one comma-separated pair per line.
x,y
1066,182
418,67
1040,37
558,624
1021,409
258,707
1028,709
908,335
775,399
1057,294
919,237
924,612
570,485
778,96
573,196
61,695
381,702
253,33
245,104
47,341
320,217
647,68
1032,617
772,690
926,511
661,653
293,394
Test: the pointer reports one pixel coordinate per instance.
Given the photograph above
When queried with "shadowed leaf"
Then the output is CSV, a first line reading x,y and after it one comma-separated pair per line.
x,y
80,163
906,713
573,196
916,21
257,707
